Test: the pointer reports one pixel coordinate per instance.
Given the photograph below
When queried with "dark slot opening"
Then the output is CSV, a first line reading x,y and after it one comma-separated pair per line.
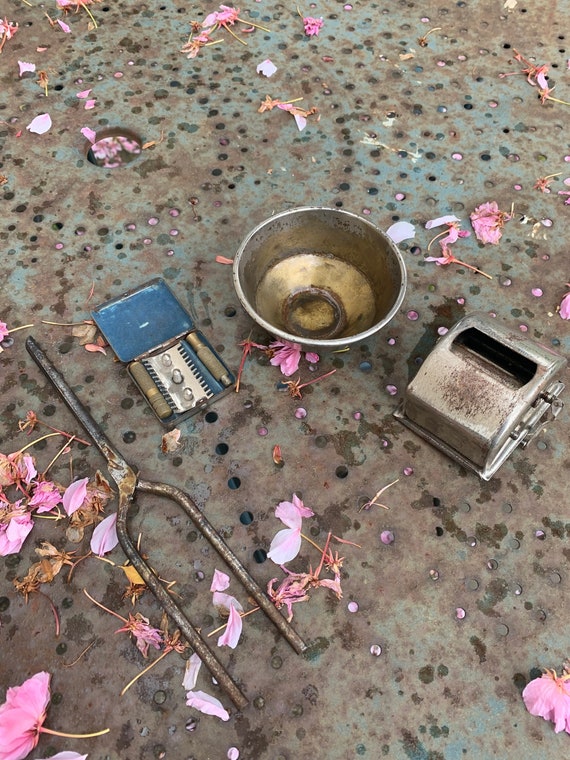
x,y
519,367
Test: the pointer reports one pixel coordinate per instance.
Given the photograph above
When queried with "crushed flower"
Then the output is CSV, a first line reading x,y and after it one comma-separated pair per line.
x,y
488,222
143,632
312,25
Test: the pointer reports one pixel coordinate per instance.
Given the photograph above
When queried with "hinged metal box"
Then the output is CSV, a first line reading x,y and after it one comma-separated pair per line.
x,y
172,363
482,391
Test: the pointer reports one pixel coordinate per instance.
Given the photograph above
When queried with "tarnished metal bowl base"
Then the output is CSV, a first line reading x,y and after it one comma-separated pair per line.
x,y
320,277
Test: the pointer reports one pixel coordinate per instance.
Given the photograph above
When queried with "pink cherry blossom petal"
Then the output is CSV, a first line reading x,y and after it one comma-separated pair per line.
x,y
230,637
312,357
89,104
449,219
220,581
24,67
40,125
68,756
104,538
266,67
285,545
89,134
206,704
565,307
401,231
83,94
63,26
191,671
74,496
226,601
300,121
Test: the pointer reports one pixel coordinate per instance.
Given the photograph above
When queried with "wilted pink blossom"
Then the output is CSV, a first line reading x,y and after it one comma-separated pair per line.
x,y
143,632
45,496
74,496
226,16
312,25
564,309
22,716
104,538
7,31
292,589
488,222
549,698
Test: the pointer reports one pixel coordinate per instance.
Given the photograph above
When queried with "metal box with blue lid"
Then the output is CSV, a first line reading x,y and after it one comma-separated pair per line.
x,y
173,364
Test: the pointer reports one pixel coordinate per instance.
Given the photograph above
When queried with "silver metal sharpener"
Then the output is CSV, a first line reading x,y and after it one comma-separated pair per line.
x,y
482,391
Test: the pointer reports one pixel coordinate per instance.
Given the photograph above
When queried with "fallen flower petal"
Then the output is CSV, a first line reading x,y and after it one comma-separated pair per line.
x,y
41,124
46,496
83,94
89,134
24,67
89,104
230,637
220,581
401,231
285,545
94,348
74,496
549,697
191,671
68,756
143,632
206,704
291,512
63,26
22,715
104,538
225,601
13,535
441,220
564,309
4,332
266,67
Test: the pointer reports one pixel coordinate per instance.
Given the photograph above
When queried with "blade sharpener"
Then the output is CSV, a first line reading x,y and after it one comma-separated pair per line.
x,y
483,391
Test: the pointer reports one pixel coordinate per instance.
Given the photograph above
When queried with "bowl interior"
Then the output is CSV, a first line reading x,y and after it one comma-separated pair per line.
x,y
319,275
